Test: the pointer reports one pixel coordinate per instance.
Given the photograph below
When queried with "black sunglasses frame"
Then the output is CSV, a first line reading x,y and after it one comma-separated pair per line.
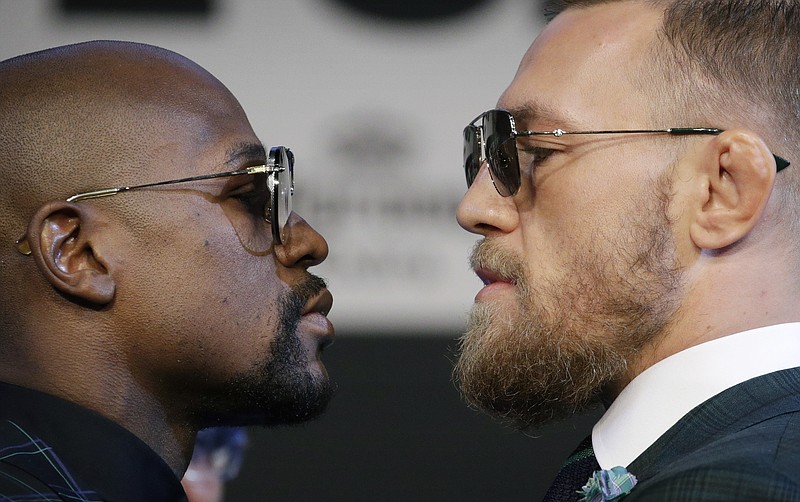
x,y
494,142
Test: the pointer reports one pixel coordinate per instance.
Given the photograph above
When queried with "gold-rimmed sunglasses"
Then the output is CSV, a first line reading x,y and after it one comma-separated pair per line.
x,y
277,175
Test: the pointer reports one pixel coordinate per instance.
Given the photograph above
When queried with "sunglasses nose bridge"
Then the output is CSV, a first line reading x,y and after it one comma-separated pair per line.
x,y
483,175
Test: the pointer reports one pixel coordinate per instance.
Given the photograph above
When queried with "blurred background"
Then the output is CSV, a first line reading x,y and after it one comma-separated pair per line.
x,y
372,97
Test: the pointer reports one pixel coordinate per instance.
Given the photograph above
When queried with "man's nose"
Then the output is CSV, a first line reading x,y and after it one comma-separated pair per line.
x,y
303,246
484,211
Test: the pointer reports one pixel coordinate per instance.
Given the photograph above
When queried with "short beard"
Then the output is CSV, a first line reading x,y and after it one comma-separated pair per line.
x,y
566,343
281,390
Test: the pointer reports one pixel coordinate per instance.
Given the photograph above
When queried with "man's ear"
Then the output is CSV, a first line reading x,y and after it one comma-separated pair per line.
x,y
737,173
61,242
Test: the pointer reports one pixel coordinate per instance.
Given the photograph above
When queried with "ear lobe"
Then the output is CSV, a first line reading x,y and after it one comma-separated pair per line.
x,y
739,172
61,244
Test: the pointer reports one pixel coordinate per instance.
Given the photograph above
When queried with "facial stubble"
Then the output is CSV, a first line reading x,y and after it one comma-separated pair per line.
x,y
282,389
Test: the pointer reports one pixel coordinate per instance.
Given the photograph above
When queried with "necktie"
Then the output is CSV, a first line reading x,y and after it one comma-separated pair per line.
x,y
575,472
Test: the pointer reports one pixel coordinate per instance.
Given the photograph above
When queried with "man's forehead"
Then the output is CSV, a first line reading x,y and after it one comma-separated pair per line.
x,y
605,21
578,72
584,33
194,142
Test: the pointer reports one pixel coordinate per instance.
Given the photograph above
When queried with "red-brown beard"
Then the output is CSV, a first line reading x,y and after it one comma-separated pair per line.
x,y
554,352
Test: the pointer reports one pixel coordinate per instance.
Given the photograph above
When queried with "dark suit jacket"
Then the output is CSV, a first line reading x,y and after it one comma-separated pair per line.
x,y
743,444
54,450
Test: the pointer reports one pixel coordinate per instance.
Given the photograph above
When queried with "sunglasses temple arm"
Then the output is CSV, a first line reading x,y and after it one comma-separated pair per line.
x,y
106,192
780,162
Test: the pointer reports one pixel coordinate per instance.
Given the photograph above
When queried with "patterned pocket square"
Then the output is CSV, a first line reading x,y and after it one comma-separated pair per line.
x,y
608,484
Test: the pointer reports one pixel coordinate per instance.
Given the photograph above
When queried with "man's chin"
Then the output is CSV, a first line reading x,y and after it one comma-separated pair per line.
x,y
519,376
309,407
530,414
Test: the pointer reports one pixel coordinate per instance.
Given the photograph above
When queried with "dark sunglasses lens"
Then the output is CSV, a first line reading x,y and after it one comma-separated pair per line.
x,y
281,190
286,190
501,151
472,153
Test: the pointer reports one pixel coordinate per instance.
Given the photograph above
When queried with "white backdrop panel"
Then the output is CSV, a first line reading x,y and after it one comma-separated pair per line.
x,y
374,113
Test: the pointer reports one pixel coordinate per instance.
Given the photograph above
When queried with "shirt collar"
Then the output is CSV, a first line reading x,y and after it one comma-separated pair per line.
x,y
661,395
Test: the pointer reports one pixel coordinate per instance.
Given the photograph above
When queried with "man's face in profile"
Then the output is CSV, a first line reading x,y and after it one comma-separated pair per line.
x,y
579,266
216,312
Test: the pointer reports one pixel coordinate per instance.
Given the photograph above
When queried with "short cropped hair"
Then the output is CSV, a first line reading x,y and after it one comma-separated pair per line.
x,y
727,63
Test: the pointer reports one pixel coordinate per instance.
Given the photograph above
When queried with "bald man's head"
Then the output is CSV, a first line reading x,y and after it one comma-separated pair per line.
x,y
85,115
170,307
88,116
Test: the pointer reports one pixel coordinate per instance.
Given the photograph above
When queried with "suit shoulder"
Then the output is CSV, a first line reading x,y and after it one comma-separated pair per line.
x,y
759,462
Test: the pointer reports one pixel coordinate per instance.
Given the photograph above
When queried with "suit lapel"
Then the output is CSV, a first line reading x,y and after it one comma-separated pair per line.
x,y
730,411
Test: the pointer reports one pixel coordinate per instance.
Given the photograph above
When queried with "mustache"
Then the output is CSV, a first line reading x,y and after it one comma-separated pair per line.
x,y
296,298
293,302
309,287
488,254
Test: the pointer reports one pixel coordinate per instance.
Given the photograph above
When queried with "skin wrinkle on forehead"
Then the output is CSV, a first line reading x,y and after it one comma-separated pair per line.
x,y
126,147
247,152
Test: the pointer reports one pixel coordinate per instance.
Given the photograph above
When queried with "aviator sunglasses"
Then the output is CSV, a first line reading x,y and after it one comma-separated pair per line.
x,y
276,178
493,141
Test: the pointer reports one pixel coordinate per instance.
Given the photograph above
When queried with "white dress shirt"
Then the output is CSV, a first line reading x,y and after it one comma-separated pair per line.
x,y
662,394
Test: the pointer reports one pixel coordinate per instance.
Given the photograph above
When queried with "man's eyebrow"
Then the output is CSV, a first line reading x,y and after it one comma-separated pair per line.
x,y
246,151
531,112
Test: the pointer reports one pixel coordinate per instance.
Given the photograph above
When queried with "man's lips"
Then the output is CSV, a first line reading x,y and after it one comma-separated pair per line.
x,y
490,277
320,303
493,282
315,317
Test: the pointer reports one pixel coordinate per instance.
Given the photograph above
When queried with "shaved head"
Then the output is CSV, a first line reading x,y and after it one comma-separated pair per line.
x,y
170,308
91,115
81,116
